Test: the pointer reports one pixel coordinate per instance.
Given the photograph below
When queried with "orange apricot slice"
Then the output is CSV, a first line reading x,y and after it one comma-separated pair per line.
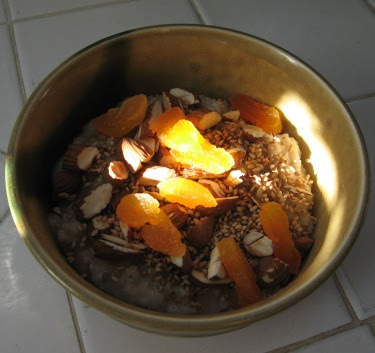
x,y
186,192
184,137
138,209
166,121
275,223
240,271
211,159
163,236
119,121
259,114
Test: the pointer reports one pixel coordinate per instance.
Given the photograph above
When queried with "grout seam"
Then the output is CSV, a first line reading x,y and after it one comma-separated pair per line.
x,y
76,323
70,10
200,12
346,299
370,5
14,47
3,218
360,97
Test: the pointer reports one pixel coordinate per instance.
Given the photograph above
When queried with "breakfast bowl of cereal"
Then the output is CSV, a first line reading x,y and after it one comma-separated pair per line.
x,y
187,180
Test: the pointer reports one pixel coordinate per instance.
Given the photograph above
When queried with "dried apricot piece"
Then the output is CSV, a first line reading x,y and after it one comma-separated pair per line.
x,y
186,192
136,210
166,121
240,271
184,137
211,159
259,114
163,236
276,225
119,121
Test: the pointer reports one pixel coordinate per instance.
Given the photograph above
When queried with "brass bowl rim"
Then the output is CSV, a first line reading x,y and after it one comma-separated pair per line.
x,y
164,323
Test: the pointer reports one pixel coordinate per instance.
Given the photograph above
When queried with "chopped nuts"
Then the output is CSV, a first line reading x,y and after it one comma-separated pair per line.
x,y
116,172
152,176
79,157
252,132
238,154
234,177
184,262
185,96
66,181
258,244
200,233
232,115
204,119
215,267
201,278
271,271
176,213
135,153
171,101
96,201
213,187
224,205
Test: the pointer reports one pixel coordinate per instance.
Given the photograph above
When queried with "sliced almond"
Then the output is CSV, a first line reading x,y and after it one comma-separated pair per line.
x,y
232,115
164,158
135,152
252,132
151,142
116,173
216,270
271,272
96,201
186,97
176,213
201,278
147,128
171,101
214,187
224,205
126,231
201,233
79,157
152,176
107,250
203,119
303,244
258,244
198,174
66,181
184,262
238,154
234,177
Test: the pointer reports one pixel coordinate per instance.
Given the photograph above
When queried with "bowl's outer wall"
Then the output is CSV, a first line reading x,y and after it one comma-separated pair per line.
x,y
209,61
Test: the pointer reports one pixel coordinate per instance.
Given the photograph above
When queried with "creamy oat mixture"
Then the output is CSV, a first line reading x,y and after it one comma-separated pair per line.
x,y
116,259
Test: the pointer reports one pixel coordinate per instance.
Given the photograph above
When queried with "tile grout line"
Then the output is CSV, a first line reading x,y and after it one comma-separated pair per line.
x,y
360,97
70,10
14,47
346,299
75,323
313,339
2,219
200,12
370,5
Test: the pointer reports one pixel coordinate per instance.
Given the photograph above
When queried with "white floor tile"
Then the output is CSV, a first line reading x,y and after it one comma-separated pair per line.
x,y
357,271
45,42
3,196
321,311
2,12
34,312
359,340
10,94
26,8
336,37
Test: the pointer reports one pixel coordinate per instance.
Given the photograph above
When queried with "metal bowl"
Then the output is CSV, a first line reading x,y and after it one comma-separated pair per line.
x,y
218,63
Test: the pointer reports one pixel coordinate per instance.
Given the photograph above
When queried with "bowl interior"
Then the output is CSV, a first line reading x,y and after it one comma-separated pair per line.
x,y
217,63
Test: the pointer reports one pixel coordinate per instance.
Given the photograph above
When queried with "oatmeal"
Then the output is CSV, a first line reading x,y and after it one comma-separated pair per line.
x,y
183,203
